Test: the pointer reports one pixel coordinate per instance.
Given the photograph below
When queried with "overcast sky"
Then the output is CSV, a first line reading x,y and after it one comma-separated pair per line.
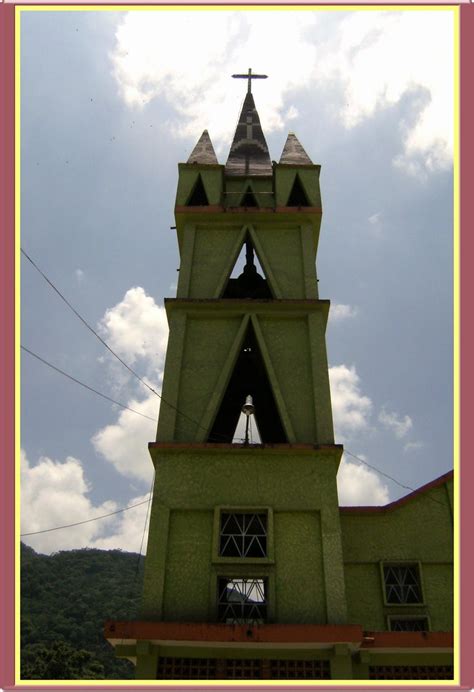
x,y
110,103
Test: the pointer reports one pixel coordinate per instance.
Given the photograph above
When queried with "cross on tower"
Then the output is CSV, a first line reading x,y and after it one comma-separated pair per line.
x,y
249,76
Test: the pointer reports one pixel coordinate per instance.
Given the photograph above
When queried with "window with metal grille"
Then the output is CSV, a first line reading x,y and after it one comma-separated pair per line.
x,y
176,668
402,584
242,600
243,534
411,624
308,670
243,668
173,668
410,672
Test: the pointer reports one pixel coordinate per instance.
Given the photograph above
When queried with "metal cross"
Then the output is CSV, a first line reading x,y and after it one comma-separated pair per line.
x,y
249,76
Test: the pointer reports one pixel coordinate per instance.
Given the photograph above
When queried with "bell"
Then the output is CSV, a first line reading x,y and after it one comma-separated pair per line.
x,y
248,408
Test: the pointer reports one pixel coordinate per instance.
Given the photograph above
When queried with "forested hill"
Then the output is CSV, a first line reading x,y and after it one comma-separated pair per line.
x,y
65,600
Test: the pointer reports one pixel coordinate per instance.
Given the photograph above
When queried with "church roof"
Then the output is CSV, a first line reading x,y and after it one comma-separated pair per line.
x,y
203,152
249,151
294,153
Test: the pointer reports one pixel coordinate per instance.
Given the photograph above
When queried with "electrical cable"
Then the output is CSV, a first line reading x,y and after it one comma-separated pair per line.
x,y
402,485
91,329
86,386
86,521
382,473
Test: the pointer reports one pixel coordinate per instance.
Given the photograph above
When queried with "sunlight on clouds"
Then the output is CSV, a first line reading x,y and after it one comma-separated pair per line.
x,y
54,493
340,312
381,56
359,485
149,61
137,328
124,444
395,423
351,410
373,58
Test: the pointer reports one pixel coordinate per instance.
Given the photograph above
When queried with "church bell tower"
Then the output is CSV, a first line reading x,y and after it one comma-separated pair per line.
x,y
241,533
244,571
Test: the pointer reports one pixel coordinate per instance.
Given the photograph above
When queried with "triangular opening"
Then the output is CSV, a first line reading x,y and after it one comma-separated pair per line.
x,y
248,378
297,196
249,199
247,279
198,197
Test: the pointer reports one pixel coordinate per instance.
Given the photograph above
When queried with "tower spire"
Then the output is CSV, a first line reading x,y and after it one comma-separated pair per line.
x,y
249,153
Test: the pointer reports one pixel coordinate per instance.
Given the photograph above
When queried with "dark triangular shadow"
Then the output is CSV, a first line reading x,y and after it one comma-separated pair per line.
x,y
249,377
297,196
249,199
250,283
198,197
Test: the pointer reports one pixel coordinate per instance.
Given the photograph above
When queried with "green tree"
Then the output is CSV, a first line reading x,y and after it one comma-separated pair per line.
x,y
59,661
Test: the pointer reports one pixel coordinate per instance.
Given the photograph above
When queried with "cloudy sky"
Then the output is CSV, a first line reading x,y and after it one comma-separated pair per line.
x,y
110,103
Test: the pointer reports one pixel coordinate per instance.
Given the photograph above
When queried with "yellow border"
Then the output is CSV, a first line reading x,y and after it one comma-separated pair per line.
x,y
235,8
17,345
456,345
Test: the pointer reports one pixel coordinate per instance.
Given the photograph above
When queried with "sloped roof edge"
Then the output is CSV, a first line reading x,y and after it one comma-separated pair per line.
x,y
401,501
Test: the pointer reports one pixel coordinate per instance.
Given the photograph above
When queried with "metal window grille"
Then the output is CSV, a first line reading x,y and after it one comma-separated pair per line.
x,y
242,601
402,584
243,535
410,672
173,668
409,624
242,668
309,670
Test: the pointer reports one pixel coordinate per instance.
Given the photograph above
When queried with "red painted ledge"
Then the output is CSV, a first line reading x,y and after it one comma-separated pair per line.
x,y
219,632
408,640
117,632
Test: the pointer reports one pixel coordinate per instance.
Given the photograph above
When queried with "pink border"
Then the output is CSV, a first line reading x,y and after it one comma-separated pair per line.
x,y
7,269
7,356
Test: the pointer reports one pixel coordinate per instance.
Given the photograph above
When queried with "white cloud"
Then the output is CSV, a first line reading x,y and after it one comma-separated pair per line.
x,y
351,409
358,52
79,274
340,312
137,328
359,485
55,493
395,423
125,443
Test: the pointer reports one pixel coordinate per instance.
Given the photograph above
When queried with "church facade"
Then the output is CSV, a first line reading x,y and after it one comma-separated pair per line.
x,y
253,570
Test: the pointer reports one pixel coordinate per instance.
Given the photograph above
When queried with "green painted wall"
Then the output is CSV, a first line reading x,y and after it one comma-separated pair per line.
x,y
204,342
420,531
305,576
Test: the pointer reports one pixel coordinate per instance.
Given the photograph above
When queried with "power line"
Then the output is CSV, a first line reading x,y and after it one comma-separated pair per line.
x,y
86,521
382,473
91,329
125,509
406,487
86,386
